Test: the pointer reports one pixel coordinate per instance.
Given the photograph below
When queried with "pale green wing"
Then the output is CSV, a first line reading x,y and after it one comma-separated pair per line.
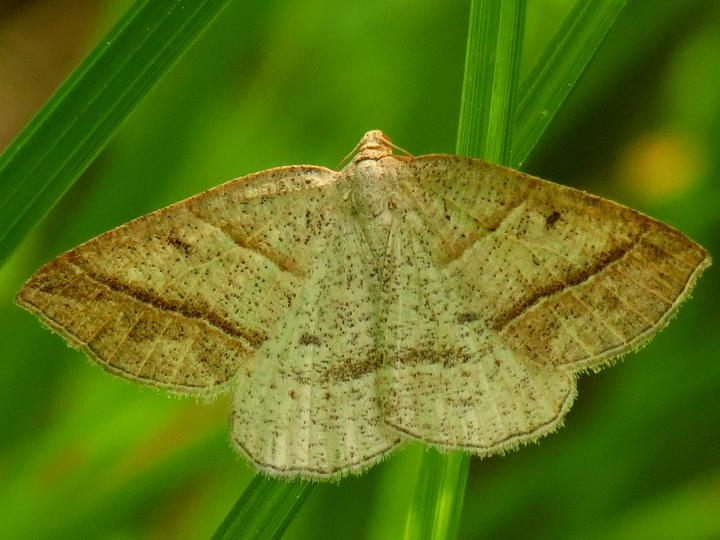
x,y
310,407
183,297
448,380
529,281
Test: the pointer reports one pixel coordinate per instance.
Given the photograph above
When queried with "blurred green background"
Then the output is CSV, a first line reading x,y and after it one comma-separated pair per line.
x,y
84,454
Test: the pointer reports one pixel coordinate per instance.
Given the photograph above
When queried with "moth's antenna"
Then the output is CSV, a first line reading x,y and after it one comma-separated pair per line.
x,y
372,142
399,149
345,160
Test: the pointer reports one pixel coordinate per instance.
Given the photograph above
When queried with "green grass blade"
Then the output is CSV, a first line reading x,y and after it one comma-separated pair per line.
x,y
438,497
264,510
485,129
557,71
75,124
491,72
494,128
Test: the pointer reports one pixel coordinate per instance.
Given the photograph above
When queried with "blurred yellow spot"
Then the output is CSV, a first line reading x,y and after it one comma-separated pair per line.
x,y
661,165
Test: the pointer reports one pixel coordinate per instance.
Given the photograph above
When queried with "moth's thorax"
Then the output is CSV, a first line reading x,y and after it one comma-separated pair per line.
x,y
373,177
374,186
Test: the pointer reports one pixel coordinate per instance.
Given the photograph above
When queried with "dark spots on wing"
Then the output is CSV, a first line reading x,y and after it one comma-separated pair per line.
x,y
444,357
351,369
309,339
179,244
468,317
552,219
205,357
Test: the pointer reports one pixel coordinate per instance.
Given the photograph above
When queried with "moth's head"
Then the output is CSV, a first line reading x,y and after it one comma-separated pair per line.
x,y
373,145
375,139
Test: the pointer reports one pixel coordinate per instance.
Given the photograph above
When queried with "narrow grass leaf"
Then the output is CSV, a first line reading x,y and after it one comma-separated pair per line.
x,y
491,72
485,129
75,124
264,510
492,127
437,501
557,71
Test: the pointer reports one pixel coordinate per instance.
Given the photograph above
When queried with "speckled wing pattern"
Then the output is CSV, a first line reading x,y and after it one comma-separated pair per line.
x,y
438,297
183,297
514,284
311,404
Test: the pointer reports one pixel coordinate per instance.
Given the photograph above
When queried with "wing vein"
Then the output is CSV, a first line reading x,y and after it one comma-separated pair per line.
x,y
577,278
247,336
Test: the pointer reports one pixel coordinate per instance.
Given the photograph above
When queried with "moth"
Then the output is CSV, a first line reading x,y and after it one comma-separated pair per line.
x,y
436,297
